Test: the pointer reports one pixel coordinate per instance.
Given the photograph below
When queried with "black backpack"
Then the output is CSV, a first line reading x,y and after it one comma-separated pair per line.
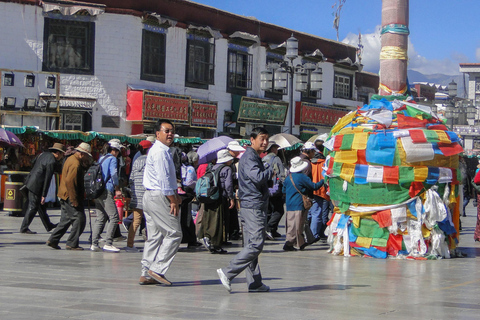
x,y
93,180
207,188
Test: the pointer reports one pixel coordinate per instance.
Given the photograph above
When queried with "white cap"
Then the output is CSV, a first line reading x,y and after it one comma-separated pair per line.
x,y
235,146
115,145
223,156
309,146
297,164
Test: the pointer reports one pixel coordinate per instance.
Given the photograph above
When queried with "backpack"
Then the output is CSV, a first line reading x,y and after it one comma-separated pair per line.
x,y
208,187
274,183
93,180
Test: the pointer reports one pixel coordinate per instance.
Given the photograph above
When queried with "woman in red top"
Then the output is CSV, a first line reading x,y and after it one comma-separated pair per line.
x,y
476,235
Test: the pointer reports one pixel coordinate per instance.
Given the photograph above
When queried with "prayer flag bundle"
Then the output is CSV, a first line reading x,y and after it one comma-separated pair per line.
x,y
392,169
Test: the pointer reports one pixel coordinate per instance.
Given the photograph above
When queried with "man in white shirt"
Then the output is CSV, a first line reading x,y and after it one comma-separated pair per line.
x,y
161,208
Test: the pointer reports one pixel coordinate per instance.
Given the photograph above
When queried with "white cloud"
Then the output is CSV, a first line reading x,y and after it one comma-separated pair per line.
x,y
371,51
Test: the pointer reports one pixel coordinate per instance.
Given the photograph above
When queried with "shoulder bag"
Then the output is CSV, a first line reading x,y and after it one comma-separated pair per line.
x,y
307,202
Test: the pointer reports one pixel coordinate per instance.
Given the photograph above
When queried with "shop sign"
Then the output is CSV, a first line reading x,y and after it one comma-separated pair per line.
x,y
158,105
317,115
264,111
204,114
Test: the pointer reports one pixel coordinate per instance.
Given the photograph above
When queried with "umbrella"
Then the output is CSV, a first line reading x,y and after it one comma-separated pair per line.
x,y
323,136
285,140
207,152
9,139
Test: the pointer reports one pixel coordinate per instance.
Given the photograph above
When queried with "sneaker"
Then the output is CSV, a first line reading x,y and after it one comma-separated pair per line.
x,y
224,280
131,249
121,238
110,248
207,244
95,248
269,235
262,288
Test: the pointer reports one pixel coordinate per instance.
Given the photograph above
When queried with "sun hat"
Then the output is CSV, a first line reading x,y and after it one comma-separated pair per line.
x,y
115,145
272,144
297,164
223,156
85,148
146,144
58,147
309,146
235,146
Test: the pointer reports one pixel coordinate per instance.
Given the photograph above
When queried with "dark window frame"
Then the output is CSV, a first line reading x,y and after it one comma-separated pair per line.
x,y
203,56
239,79
274,93
340,93
148,56
89,44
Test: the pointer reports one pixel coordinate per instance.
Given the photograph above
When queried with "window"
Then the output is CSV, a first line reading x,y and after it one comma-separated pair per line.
x,y
68,46
310,95
239,70
153,56
342,86
200,63
274,93
110,122
73,121
477,84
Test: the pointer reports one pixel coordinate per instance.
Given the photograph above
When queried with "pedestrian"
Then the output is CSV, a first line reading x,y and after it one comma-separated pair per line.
x,y
137,192
189,179
297,184
308,152
476,180
213,213
253,179
105,203
71,193
319,213
232,226
276,201
161,208
37,184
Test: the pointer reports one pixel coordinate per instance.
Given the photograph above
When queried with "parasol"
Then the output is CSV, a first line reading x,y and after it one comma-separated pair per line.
x,y
323,136
9,139
207,152
285,140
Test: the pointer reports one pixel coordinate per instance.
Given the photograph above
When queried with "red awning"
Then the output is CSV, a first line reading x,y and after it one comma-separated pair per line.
x,y
134,105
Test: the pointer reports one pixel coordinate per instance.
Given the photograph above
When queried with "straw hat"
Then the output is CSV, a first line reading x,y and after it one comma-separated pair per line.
x,y
297,165
223,156
235,146
57,147
85,148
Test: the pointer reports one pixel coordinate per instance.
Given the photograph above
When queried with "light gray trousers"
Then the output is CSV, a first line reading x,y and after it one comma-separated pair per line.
x,y
108,212
254,223
164,233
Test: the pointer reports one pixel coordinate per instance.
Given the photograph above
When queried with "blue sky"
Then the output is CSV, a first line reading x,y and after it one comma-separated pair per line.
x,y
443,33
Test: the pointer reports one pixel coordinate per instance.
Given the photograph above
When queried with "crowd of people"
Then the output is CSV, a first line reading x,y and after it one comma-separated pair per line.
x,y
254,185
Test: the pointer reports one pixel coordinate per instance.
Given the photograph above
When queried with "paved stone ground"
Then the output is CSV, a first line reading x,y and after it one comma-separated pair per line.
x,y
37,282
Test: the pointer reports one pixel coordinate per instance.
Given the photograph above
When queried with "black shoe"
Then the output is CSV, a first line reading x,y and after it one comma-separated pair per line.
x,y
275,234
235,236
28,231
53,245
52,226
194,245
288,248
219,251
303,246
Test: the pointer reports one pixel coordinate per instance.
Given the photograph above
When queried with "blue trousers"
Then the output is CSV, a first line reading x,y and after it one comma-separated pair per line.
x,y
319,216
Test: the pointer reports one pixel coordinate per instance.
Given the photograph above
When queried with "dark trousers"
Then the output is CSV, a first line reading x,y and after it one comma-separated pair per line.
x,y
70,215
33,205
212,222
186,220
275,212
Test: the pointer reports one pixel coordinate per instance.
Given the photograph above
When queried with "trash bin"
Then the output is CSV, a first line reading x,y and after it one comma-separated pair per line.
x,y
13,201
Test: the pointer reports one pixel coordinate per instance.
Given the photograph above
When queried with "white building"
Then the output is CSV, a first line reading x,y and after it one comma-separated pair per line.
x,y
110,66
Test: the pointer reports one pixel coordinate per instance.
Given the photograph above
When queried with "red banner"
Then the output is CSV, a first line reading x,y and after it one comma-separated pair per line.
x,y
316,115
165,106
204,114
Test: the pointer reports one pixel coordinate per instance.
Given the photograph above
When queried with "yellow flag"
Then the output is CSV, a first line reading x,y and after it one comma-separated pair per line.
x,y
360,141
421,173
348,170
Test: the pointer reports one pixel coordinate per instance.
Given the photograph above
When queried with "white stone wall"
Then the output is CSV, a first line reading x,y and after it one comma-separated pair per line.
x,y
118,42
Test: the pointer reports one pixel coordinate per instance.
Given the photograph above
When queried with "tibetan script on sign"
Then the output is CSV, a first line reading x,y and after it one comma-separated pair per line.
x,y
165,106
265,111
204,114
314,114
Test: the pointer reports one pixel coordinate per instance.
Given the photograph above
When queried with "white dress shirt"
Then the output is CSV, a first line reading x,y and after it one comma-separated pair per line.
x,y
159,170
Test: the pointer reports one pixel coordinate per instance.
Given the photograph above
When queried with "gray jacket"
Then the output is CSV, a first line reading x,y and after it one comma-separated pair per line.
x,y
276,164
136,182
252,181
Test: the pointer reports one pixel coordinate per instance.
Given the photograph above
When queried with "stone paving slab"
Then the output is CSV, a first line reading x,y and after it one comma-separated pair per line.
x,y
37,282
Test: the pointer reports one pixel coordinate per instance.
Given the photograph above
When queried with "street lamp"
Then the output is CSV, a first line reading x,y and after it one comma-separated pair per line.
x,y
282,74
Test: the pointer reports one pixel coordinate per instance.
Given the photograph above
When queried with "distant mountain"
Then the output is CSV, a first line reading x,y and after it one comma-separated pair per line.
x,y
442,79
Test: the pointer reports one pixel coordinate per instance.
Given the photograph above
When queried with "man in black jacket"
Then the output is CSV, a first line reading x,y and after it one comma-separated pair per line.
x,y
37,184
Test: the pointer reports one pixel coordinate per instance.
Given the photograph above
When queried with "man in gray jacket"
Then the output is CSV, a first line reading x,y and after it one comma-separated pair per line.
x,y
253,176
